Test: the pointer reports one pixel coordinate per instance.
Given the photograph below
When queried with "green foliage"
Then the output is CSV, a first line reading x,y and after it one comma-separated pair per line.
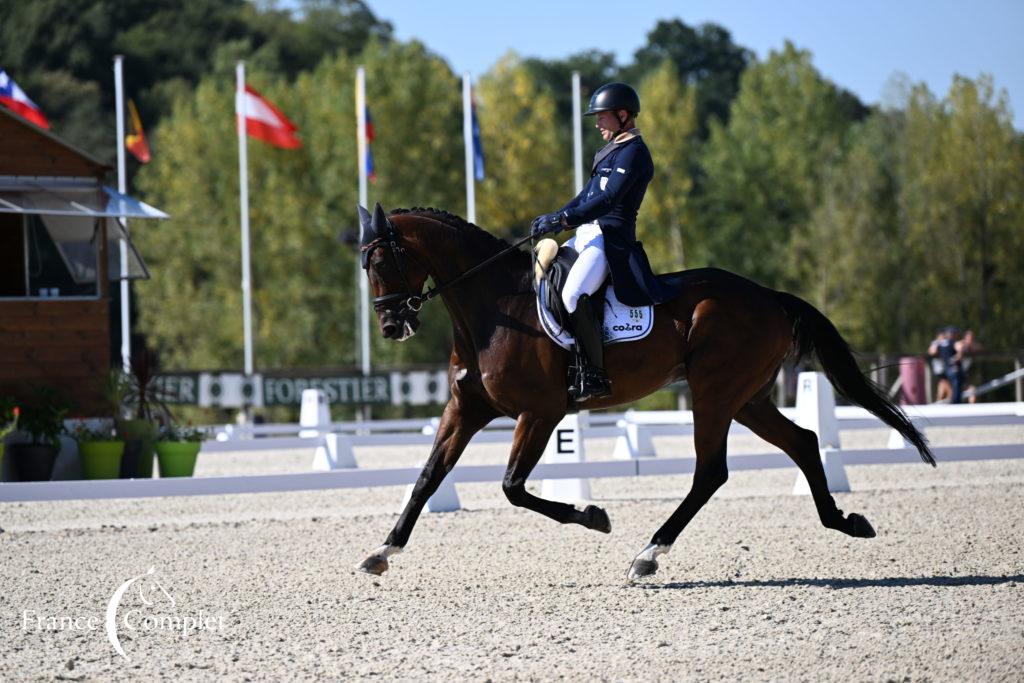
x,y
61,51
178,432
531,168
83,433
670,129
9,414
704,57
765,169
42,417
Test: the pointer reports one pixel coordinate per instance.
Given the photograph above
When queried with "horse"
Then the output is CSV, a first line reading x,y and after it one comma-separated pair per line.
x,y
725,335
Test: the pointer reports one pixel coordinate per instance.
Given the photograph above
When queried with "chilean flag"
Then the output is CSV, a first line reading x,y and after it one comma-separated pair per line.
x,y
264,121
15,99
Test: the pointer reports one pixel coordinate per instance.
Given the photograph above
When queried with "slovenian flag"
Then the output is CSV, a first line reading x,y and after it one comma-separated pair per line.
x,y
370,135
265,122
15,99
478,148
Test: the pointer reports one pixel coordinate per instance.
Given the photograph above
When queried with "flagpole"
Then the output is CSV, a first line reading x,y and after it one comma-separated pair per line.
x,y
364,294
243,186
122,187
467,136
577,131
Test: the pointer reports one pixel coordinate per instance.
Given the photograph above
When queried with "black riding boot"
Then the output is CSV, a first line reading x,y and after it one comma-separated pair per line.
x,y
590,380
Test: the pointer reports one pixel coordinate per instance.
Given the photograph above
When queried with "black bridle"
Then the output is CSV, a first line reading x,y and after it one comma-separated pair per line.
x,y
406,300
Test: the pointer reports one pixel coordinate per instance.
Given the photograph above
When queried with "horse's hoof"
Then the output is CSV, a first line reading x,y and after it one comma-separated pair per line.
x,y
859,527
597,519
374,564
641,569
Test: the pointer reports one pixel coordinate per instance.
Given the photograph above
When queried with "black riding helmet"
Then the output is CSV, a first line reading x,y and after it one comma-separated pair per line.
x,y
612,97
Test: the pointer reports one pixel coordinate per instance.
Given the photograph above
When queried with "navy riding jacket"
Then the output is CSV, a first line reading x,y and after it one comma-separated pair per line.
x,y
612,197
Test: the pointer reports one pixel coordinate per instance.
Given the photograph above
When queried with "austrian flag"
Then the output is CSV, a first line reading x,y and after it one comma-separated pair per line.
x,y
264,121
15,99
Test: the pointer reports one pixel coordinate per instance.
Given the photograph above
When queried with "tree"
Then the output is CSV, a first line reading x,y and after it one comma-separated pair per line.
x,y
704,57
765,170
300,200
529,168
669,125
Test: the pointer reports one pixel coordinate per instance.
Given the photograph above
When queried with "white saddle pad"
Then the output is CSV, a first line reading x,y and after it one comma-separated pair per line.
x,y
622,323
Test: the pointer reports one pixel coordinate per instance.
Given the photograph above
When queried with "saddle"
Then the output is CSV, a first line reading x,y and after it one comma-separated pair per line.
x,y
621,323
551,268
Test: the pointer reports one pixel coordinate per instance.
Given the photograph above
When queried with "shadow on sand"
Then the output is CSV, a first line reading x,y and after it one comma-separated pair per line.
x,y
837,583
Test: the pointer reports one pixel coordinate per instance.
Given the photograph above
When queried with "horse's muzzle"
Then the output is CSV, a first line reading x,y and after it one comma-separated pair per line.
x,y
399,326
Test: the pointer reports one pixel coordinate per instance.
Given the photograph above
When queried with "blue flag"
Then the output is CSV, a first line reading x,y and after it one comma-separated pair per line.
x,y
478,148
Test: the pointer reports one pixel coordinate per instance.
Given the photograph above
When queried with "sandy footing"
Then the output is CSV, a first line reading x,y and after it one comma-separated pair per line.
x,y
262,587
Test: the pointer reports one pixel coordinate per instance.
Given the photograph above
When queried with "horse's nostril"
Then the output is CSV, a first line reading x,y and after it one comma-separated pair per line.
x,y
389,329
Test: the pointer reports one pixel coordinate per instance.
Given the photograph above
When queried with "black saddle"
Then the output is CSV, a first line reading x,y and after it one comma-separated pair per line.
x,y
553,268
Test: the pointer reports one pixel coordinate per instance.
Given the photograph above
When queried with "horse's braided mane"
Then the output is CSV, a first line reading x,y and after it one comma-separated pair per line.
x,y
489,241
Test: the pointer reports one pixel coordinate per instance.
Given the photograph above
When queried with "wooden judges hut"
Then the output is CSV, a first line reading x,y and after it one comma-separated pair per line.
x,y
60,259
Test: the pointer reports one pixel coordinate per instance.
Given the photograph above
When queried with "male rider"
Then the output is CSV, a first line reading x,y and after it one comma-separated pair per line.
x,y
604,217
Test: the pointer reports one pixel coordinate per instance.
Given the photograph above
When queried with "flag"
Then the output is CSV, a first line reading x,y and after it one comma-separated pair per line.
x,y
264,121
15,99
135,142
370,135
478,148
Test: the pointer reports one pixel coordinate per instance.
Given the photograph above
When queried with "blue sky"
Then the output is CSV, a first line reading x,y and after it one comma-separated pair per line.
x,y
858,45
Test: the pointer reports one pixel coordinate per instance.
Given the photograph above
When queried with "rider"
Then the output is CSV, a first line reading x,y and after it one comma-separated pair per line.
x,y
604,216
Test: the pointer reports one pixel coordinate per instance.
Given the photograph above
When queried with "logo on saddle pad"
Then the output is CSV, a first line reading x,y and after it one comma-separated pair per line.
x,y
622,323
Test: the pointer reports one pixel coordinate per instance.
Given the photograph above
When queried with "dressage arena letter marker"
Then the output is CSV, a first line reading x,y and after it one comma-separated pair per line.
x,y
816,410
315,416
634,442
566,445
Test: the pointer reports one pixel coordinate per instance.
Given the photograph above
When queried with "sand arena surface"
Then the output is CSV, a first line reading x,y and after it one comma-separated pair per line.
x,y
755,589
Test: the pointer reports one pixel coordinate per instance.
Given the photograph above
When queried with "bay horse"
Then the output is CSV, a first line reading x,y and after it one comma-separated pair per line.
x,y
725,335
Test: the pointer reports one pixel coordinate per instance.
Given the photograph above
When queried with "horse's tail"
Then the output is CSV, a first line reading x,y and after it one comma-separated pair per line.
x,y
812,331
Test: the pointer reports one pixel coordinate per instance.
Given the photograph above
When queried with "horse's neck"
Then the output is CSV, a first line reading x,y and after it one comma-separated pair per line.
x,y
472,303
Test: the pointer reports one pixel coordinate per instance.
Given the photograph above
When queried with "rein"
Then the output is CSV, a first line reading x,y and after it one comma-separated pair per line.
x,y
414,302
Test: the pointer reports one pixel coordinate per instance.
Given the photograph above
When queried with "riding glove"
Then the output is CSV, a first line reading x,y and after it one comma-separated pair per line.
x,y
548,223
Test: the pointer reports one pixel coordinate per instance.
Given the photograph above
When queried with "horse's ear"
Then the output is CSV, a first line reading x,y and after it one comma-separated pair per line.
x,y
366,226
379,222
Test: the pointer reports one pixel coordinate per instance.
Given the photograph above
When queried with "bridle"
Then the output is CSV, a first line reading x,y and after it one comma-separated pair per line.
x,y
400,303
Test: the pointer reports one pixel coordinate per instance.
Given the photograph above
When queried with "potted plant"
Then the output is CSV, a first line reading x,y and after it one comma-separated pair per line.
x,y
42,422
142,410
100,450
9,412
177,448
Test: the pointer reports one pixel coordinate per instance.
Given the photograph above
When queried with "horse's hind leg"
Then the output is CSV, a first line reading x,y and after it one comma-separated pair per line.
x,y
710,431
765,420
531,436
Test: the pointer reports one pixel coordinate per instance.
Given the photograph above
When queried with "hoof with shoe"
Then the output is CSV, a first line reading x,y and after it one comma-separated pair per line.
x,y
597,519
374,564
641,569
859,527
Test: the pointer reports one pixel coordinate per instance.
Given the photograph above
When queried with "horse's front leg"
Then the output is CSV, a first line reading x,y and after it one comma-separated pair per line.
x,y
531,436
459,423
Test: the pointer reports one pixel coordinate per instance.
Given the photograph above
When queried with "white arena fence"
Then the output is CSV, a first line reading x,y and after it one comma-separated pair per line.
x,y
564,469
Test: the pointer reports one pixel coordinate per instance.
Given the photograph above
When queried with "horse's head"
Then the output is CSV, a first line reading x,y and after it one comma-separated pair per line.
x,y
395,277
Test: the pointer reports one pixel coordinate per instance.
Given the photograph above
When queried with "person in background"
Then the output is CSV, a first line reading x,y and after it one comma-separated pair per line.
x,y
965,350
943,348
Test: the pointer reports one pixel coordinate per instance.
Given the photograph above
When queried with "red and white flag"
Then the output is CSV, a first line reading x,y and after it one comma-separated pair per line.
x,y
15,99
264,121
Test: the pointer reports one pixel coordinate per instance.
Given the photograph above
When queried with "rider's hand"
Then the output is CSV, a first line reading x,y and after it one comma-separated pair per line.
x,y
548,223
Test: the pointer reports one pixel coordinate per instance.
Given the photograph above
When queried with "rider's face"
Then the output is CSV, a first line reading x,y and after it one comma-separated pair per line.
x,y
608,124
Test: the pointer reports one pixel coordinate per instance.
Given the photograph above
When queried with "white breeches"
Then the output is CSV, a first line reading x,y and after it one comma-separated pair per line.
x,y
591,268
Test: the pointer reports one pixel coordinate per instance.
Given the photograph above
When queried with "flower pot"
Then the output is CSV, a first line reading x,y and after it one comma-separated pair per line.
x,y
139,437
101,459
177,458
33,461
